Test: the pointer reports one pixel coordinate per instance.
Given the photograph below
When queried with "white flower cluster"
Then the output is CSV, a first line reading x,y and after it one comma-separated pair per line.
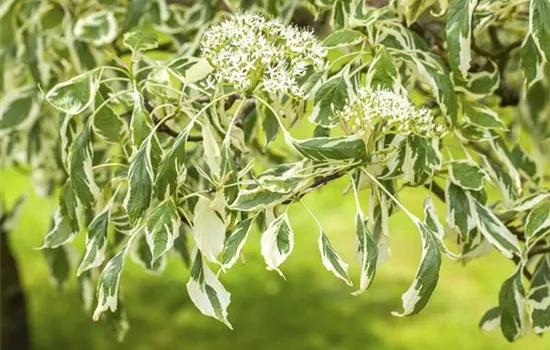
x,y
388,112
250,51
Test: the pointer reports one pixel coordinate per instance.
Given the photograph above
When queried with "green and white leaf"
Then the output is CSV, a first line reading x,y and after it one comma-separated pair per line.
x,y
494,230
383,73
467,175
80,164
532,61
20,109
109,281
459,34
344,37
208,229
422,159
335,148
140,182
538,298
98,28
512,306
206,291
427,275
461,214
257,199
235,242
331,260
139,42
367,250
75,95
277,242
483,116
61,233
96,241
162,228
331,97
539,13
490,320
537,223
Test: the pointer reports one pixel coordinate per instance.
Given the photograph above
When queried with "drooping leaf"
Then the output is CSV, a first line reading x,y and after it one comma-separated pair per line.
x,y
427,275
108,285
512,306
140,182
235,242
171,168
461,214
207,293
367,250
80,162
61,234
331,260
208,229
75,95
162,228
277,243
538,298
96,241
59,265
490,320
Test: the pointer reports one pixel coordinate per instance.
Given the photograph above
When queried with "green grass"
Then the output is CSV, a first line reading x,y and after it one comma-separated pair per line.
x,y
311,310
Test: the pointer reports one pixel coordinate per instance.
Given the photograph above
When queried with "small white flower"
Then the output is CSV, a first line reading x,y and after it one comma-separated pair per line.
x,y
387,112
248,48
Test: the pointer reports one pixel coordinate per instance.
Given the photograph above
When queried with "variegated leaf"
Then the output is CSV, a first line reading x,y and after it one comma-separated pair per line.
x,y
75,95
494,230
422,159
235,242
459,34
208,229
367,250
538,298
331,260
461,214
80,162
207,293
537,223
512,306
336,148
140,182
96,241
98,28
383,73
330,98
490,320
467,175
162,228
277,243
108,285
427,275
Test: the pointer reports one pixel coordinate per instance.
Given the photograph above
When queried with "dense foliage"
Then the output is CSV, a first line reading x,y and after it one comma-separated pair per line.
x,y
170,126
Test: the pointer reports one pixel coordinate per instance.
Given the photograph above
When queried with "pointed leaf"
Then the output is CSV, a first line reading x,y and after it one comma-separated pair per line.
x,y
277,243
75,95
207,293
208,229
235,242
331,260
162,228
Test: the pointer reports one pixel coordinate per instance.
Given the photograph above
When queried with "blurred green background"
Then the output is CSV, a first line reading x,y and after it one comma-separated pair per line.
x,y
311,310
